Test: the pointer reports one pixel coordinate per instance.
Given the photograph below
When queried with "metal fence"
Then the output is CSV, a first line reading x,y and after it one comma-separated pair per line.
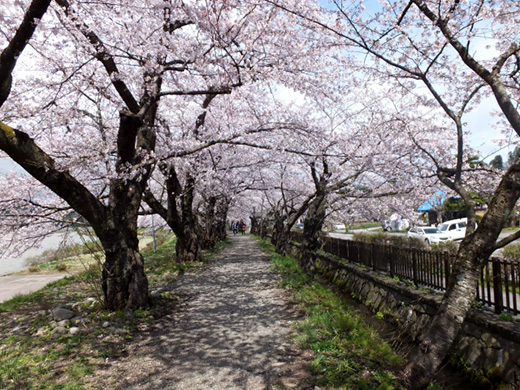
x,y
499,282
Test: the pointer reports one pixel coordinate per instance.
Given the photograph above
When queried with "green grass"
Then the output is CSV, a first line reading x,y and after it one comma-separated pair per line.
x,y
364,225
348,353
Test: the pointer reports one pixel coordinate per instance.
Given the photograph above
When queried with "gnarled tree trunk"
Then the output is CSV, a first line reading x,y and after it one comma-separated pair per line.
x,y
188,247
221,219
123,279
313,223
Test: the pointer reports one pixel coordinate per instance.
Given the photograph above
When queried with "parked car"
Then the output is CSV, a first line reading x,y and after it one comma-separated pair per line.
x,y
339,226
455,229
428,234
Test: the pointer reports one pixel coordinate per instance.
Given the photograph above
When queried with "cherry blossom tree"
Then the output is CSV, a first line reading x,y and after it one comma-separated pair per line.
x,y
442,53
93,102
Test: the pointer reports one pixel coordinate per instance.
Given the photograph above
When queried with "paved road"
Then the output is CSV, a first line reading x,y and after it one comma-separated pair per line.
x,y
24,284
348,236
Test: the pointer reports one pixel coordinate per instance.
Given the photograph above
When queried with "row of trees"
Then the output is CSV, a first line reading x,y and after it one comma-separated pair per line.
x,y
202,111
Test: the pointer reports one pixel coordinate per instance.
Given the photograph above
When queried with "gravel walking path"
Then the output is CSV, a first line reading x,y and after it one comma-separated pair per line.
x,y
231,333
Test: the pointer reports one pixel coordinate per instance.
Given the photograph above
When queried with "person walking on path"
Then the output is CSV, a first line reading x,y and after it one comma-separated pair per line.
x,y
231,333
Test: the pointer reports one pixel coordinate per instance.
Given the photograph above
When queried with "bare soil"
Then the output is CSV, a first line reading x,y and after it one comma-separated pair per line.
x,y
230,331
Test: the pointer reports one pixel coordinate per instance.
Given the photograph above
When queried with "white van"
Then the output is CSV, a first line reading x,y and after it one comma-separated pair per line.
x,y
455,229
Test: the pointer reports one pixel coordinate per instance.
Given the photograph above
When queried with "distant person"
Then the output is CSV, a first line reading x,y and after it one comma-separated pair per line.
x,y
234,226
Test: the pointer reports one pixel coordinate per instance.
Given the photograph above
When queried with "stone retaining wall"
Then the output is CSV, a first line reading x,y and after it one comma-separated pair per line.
x,y
488,346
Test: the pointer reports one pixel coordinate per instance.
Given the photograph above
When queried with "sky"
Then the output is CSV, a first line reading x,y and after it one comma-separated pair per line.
x,y
483,135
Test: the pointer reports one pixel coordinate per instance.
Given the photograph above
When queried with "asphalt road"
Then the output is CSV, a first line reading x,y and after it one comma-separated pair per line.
x,y
11,286
348,236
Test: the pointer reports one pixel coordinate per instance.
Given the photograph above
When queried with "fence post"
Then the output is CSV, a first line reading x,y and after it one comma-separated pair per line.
x,y
390,257
446,269
414,267
497,286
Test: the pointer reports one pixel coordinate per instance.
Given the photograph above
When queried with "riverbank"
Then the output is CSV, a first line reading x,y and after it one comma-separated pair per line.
x,y
12,265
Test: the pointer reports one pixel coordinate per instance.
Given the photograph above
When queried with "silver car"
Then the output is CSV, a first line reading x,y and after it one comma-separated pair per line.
x,y
428,234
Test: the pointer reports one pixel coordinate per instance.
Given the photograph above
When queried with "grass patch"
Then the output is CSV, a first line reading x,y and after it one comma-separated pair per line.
x,y
32,356
348,353
364,225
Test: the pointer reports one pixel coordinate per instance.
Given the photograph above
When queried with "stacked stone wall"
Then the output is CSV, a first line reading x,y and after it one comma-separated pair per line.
x,y
487,346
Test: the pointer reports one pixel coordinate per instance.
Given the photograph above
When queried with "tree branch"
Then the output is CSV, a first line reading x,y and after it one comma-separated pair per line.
x,y
22,149
17,44
103,56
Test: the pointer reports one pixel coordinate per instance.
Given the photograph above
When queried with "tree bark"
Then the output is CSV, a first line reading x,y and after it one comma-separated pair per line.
x,y
124,282
188,247
313,223
221,219
280,237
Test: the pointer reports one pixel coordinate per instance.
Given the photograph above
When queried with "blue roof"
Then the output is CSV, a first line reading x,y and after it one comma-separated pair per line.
x,y
437,200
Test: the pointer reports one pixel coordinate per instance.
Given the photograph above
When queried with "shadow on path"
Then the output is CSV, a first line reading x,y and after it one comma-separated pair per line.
x,y
230,334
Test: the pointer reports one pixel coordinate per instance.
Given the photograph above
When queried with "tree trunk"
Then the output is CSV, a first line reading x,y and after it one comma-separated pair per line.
x,y
221,219
208,233
263,228
280,237
474,251
188,248
311,231
254,224
446,324
124,282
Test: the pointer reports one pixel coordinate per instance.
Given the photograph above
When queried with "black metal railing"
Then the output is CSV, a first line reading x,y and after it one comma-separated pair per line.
x,y
499,282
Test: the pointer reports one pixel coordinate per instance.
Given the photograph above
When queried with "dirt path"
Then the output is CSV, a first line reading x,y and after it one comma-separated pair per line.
x,y
13,285
230,334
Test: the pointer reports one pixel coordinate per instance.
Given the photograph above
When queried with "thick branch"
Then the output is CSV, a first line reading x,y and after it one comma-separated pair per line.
x,y
103,56
492,78
509,239
22,149
17,44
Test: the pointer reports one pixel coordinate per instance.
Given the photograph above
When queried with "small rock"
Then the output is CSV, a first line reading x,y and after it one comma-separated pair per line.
x,y
120,331
63,323
62,313
40,331
59,330
74,330
81,320
17,330
106,324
